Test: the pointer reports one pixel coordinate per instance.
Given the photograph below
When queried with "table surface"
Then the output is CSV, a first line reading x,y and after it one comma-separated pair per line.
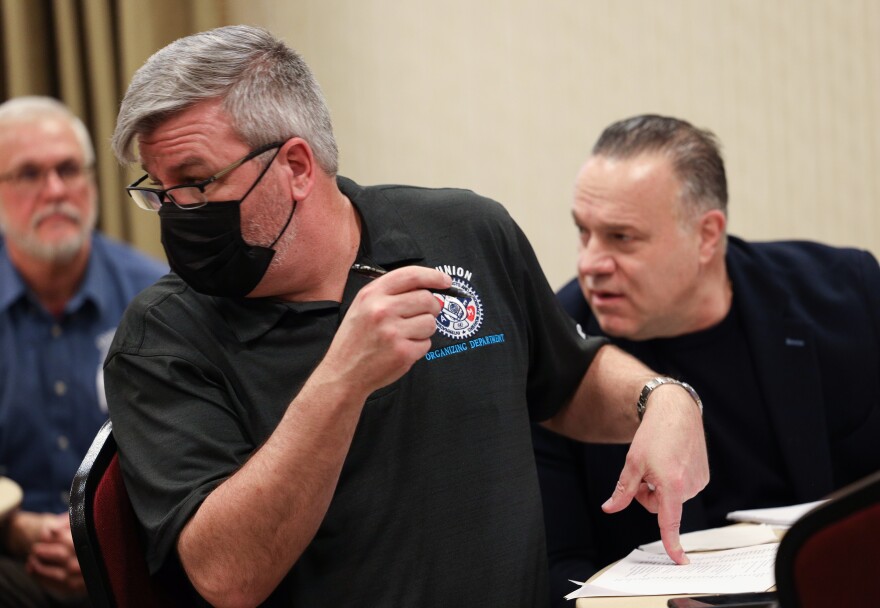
x,y
10,496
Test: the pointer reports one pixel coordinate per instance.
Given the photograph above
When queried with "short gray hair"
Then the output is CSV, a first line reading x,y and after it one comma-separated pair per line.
x,y
695,155
31,107
265,86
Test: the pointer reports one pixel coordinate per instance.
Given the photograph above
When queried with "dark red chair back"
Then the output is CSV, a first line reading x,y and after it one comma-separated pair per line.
x,y
829,556
106,533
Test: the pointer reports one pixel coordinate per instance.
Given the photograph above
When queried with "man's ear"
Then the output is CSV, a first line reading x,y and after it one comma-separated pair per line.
x,y
713,227
299,159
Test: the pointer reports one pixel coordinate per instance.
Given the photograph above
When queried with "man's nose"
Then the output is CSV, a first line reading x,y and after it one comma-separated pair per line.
x,y
593,259
52,181
53,184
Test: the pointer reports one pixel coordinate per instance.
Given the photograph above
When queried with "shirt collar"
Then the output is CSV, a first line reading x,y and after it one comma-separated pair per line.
x,y
386,241
97,275
385,238
13,287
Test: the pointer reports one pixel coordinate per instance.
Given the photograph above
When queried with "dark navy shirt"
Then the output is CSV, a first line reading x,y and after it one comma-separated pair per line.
x,y
51,382
718,363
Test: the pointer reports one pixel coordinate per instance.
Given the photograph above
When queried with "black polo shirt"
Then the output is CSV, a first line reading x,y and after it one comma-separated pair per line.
x,y
437,503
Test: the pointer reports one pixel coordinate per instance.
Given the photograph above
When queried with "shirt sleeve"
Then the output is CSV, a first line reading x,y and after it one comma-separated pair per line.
x,y
177,428
560,351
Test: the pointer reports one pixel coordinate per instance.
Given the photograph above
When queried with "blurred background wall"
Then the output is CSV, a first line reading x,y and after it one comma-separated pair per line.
x,y
506,97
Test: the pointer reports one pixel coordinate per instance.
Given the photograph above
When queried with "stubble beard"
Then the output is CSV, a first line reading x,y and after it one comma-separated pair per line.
x,y
60,251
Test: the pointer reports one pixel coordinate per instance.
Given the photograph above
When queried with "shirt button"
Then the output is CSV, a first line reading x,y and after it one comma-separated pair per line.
x,y
56,331
63,442
60,388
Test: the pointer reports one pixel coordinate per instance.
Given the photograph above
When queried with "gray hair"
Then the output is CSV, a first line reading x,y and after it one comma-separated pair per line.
x,y
32,107
695,155
265,87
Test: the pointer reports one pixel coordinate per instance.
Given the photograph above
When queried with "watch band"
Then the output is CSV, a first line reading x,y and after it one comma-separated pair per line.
x,y
642,403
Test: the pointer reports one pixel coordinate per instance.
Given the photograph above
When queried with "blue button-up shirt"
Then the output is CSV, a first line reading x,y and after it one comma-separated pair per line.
x,y
51,380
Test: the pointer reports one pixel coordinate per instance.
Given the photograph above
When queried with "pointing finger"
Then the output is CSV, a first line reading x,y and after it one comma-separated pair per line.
x,y
669,519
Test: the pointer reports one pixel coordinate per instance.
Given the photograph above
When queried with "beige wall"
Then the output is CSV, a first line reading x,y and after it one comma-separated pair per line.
x,y
506,98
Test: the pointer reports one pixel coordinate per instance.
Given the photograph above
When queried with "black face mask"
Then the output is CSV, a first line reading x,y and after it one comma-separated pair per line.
x,y
205,248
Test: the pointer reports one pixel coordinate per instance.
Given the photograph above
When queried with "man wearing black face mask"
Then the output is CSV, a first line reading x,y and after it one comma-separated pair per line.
x,y
329,437
207,249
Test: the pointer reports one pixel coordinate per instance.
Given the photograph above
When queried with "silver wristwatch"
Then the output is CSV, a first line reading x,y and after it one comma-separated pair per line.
x,y
642,403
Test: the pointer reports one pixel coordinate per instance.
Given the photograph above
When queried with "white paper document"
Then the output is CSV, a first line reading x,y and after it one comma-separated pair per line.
x,y
777,516
716,539
732,571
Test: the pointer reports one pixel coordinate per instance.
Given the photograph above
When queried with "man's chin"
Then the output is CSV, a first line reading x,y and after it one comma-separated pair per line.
x,y
616,327
58,251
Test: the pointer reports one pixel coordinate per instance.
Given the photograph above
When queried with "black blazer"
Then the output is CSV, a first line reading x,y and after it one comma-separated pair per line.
x,y
811,314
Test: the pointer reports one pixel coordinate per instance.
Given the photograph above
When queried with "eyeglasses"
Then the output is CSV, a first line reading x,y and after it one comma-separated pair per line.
x,y
187,196
30,179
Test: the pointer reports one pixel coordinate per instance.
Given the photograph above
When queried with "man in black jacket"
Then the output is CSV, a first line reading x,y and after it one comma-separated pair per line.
x,y
781,340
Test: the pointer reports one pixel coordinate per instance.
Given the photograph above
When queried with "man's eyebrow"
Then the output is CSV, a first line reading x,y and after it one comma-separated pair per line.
x,y
618,227
182,167
37,162
607,226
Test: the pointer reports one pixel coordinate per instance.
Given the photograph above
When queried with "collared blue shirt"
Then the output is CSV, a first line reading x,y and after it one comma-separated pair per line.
x,y
51,382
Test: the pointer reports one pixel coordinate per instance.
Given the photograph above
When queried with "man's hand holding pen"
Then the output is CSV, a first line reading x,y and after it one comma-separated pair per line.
x,y
388,327
375,272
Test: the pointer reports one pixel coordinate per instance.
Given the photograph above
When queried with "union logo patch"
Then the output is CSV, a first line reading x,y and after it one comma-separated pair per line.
x,y
460,317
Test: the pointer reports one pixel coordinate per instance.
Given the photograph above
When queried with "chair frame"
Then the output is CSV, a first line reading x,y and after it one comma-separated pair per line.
x,y
842,504
82,527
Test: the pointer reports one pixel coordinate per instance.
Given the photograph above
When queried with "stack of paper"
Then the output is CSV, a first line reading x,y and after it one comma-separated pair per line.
x,y
778,516
717,539
733,559
641,573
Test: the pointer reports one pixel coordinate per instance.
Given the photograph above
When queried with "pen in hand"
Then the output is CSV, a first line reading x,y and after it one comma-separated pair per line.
x,y
375,273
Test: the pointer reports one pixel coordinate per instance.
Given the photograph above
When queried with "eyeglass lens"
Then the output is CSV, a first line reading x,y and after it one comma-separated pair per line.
x,y
33,177
187,196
